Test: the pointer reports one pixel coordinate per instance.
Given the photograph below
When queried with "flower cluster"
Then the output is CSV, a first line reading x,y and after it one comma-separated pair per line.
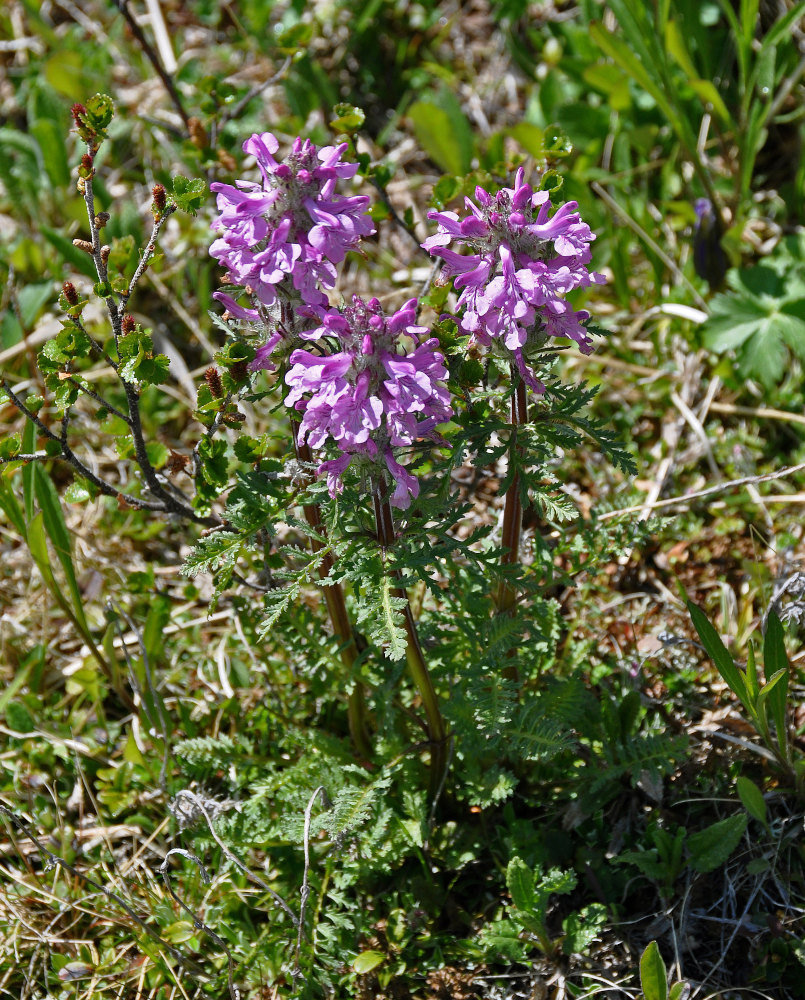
x,y
522,263
283,237
381,390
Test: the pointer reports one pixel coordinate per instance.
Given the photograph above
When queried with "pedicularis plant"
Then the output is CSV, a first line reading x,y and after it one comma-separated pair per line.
x,y
393,409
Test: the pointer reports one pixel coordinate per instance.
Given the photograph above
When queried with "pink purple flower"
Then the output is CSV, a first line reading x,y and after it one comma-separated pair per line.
x,y
281,239
380,388
522,263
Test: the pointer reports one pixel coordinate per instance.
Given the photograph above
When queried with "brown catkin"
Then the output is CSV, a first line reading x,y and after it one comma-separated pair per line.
x,y
213,379
128,324
160,198
70,293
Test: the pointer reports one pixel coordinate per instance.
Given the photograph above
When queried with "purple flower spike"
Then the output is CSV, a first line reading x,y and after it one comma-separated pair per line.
x,y
382,390
281,239
521,264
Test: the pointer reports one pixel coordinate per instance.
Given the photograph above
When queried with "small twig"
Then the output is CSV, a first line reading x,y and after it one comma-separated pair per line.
x,y
98,398
304,892
54,861
185,793
230,114
145,260
710,491
153,58
198,923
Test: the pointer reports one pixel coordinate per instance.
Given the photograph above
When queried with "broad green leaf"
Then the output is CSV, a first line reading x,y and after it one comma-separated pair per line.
x,y
442,129
520,883
612,81
717,652
710,848
18,717
368,960
531,138
653,977
752,799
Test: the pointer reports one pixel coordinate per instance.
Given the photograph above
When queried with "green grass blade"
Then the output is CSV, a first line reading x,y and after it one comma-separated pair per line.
x,y
717,652
11,507
776,664
752,686
28,471
56,528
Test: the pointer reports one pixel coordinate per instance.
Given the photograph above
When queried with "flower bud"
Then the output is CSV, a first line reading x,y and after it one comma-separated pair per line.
x,y
709,259
105,251
84,245
86,169
213,379
70,293
128,324
101,219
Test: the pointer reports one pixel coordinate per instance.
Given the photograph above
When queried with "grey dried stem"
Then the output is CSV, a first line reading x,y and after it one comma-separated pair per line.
x,y
200,805
304,892
198,923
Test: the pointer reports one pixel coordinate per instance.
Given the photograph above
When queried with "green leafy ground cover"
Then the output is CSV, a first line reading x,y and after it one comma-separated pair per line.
x,y
640,781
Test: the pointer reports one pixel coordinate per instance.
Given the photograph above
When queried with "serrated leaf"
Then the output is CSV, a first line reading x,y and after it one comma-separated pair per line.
x,y
582,928
188,193
711,847
520,883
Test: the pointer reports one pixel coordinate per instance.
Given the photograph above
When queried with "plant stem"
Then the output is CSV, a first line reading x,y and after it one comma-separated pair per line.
x,y
506,595
513,511
337,609
436,727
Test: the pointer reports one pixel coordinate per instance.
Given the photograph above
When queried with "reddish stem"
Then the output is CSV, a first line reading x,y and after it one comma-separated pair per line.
x,y
337,609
